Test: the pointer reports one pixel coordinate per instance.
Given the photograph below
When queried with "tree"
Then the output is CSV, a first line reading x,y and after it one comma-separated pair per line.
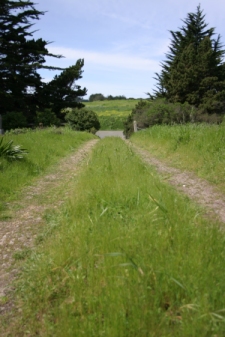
x,y
96,97
194,70
20,58
62,92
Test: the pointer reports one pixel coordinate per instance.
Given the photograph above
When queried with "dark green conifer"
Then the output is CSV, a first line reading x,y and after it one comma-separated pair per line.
x,y
194,70
20,57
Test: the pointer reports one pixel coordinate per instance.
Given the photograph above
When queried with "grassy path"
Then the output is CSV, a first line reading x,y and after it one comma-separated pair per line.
x,y
28,217
186,182
129,256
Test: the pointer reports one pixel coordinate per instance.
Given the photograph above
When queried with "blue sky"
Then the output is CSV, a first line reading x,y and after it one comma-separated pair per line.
x,y
122,42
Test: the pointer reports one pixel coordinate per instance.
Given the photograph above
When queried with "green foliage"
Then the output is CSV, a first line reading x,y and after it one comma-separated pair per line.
x,y
194,71
96,97
101,97
47,118
114,98
149,113
13,120
21,57
10,151
21,86
83,120
62,92
129,257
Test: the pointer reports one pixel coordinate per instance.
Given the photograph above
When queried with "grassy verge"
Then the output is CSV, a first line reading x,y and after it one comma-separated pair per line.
x,y
199,148
45,148
129,257
112,114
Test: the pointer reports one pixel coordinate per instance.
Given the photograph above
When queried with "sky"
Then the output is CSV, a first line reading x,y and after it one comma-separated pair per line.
x,y
122,42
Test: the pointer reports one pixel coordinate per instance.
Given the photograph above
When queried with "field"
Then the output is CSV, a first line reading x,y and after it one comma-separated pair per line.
x,y
125,255
113,113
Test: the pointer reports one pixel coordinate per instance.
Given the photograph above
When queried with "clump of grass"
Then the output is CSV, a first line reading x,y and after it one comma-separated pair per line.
x,y
194,147
22,254
130,257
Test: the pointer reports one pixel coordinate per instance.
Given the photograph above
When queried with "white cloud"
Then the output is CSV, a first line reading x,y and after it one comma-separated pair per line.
x,y
107,59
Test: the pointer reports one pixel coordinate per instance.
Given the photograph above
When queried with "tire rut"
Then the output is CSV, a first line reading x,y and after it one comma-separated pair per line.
x,y
197,189
18,233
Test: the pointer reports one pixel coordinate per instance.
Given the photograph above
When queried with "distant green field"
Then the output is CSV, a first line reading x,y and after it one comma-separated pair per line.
x,y
112,114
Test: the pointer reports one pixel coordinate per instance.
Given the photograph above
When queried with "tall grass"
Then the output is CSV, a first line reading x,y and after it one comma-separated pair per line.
x,y
130,257
200,148
112,114
45,147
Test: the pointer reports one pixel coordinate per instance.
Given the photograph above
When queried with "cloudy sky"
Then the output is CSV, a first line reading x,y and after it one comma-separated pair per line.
x,y
122,42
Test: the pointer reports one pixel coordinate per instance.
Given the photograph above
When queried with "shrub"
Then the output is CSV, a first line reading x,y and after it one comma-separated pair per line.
x,y
159,111
13,120
47,118
10,151
96,97
83,120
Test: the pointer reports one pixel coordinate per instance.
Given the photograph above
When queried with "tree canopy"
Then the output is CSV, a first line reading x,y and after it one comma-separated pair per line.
x,y
194,69
21,56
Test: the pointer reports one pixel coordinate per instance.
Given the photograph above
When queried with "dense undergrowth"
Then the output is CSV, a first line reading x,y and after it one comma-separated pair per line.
x,y
128,257
45,147
195,147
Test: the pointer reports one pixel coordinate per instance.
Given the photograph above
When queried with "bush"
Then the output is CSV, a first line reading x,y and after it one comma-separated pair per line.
x,y
13,120
96,97
159,111
10,151
83,120
47,118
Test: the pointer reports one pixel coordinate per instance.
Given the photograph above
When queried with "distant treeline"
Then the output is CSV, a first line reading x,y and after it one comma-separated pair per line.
x,y
101,97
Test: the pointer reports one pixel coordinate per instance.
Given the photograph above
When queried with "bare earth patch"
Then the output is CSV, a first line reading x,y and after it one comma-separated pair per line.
x,y
188,183
18,233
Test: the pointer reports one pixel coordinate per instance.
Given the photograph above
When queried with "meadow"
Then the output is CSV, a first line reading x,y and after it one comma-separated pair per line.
x,y
129,256
45,147
195,147
112,114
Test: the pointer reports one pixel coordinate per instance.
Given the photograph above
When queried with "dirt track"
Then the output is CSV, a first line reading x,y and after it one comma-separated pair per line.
x,y
20,231
18,234
188,183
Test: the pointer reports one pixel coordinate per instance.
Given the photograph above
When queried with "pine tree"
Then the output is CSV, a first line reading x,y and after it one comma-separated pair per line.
x,y
63,92
194,71
20,58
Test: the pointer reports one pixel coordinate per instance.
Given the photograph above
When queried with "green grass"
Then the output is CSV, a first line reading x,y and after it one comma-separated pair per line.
x,y
112,114
199,148
128,257
45,148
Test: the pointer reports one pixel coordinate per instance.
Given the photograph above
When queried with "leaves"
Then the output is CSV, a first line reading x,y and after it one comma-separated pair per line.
x,y
10,151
